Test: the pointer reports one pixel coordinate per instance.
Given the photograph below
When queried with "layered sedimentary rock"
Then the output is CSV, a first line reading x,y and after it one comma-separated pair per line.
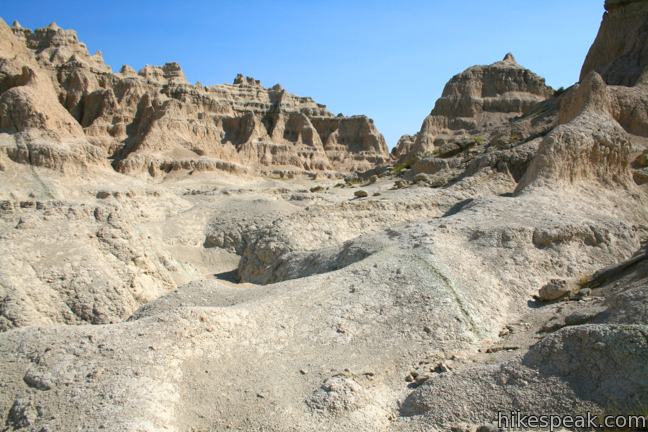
x,y
475,102
620,52
404,145
396,307
154,120
503,116
620,55
34,127
602,121
489,117
589,145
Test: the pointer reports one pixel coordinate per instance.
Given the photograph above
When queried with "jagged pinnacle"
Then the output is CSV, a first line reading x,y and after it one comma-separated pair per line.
x,y
509,58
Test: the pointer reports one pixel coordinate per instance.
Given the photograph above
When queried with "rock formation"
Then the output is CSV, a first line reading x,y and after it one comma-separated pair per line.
x,y
34,127
474,102
620,52
404,146
154,120
589,145
603,118
501,116
503,268
620,55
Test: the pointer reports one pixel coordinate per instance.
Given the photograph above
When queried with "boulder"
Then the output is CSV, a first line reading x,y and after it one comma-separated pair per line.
x,y
555,289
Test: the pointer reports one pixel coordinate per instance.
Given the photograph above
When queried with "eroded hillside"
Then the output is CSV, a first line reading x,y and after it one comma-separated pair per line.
x,y
497,263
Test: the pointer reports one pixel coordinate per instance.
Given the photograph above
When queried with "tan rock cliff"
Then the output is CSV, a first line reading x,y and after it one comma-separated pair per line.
x,y
154,120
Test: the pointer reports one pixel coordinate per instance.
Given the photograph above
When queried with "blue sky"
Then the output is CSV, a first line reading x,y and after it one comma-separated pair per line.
x,y
386,59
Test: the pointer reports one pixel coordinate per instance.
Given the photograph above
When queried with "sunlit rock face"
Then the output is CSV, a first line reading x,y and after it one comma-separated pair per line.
x,y
154,120
476,101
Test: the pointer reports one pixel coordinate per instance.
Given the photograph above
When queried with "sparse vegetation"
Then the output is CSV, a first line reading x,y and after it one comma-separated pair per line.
x,y
515,137
402,166
400,184
584,280
360,194
350,181
429,154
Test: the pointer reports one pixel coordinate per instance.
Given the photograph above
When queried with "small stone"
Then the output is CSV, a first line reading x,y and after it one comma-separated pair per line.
x,y
420,379
583,293
409,378
21,224
552,325
421,178
555,289
303,371
37,381
22,414
360,194
442,368
495,349
578,318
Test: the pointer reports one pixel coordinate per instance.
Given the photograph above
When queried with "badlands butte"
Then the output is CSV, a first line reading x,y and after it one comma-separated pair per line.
x,y
180,257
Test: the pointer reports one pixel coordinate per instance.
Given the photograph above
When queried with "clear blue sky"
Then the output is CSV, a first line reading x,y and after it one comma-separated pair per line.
x,y
386,59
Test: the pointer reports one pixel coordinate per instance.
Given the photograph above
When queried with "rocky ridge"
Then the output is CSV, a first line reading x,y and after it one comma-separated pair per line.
x,y
479,98
505,125
616,60
154,121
